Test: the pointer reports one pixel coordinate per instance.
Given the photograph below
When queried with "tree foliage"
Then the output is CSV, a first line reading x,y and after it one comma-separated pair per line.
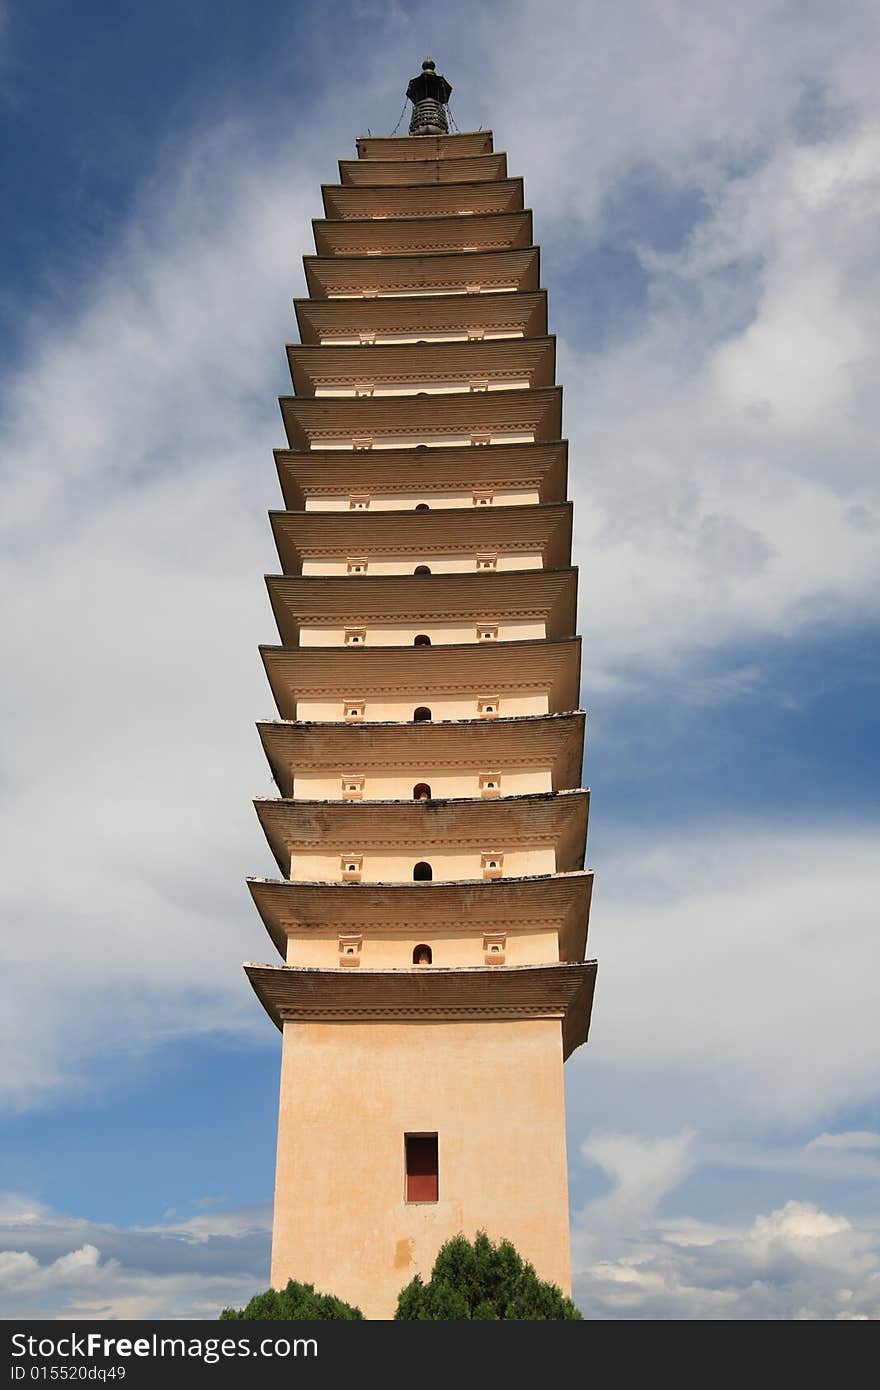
x,y
295,1303
485,1281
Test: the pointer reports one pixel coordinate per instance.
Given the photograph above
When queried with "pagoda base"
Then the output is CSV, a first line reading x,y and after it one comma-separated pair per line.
x,y
490,1090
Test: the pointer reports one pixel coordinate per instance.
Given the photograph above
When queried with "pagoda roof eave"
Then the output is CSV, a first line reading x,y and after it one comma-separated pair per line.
x,y
542,466
317,600
454,168
562,901
311,419
534,665
560,818
420,272
314,367
522,311
343,201
522,741
539,527
370,147
309,994
419,235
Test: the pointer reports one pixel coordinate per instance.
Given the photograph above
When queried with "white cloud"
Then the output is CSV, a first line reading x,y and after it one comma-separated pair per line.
x,y
140,467
57,1266
723,455
725,477
850,1139
796,1261
736,968
642,1170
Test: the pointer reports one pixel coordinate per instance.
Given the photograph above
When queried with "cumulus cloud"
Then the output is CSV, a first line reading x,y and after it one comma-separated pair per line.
x,y
793,1261
737,962
56,1266
846,1141
137,451
796,1261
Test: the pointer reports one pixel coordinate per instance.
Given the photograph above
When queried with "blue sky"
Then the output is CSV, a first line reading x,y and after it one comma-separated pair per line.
x,y
706,196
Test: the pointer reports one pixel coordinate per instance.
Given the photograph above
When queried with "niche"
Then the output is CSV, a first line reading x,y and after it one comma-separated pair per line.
x,y
352,866
492,865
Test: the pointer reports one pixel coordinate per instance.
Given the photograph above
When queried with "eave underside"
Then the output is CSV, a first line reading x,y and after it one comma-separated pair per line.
x,y
438,365
557,819
428,168
420,234
492,993
556,901
540,595
536,666
311,421
423,273
316,535
522,312
317,473
554,740
420,147
344,201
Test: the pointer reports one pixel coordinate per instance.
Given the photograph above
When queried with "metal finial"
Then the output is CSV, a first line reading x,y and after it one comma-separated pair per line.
x,y
429,93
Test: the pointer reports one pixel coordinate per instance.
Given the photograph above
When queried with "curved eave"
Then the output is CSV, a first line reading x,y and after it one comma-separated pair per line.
x,y
318,473
398,147
419,234
314,535
311,420
510,822
451,745
423,273
555,901
388,365
316,600
343,201
537,666
300,995
520,311
429,168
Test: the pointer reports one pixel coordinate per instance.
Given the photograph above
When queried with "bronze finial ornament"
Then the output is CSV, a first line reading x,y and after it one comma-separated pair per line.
x,y
429,93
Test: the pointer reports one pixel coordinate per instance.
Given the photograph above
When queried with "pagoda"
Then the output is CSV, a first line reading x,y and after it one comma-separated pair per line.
x,y
432,909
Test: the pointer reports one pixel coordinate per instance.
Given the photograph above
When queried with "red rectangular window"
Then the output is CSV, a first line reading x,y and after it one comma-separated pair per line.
x,y
422,1182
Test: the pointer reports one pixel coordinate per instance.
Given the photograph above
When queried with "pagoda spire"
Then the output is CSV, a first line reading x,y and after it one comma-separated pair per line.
x,y
429,94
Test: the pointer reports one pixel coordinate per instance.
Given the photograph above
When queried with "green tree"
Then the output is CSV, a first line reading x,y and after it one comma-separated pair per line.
x,y
485,1281
295,1303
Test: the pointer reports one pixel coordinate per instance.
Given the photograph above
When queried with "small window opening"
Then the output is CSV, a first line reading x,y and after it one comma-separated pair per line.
x,y
422,955
422,872
421,792
422,569
422,506
422,715
422,640
422,1177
